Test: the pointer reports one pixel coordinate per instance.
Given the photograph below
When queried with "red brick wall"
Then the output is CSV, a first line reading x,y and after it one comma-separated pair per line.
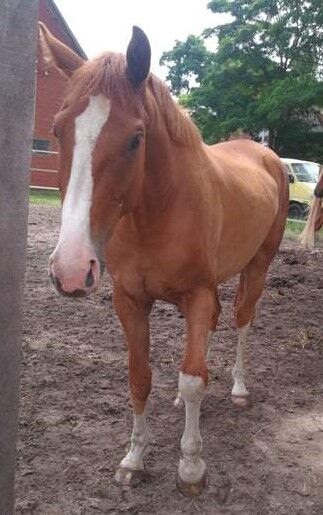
x,y
49,95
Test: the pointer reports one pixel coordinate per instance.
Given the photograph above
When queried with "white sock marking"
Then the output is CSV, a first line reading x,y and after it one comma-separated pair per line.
x,y
239,389
139,441
191,467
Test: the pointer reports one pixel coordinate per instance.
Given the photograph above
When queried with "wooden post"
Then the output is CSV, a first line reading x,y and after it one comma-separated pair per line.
x,y
18,43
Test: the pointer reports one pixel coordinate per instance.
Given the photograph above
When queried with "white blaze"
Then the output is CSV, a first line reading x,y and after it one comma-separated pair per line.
x,y
75,225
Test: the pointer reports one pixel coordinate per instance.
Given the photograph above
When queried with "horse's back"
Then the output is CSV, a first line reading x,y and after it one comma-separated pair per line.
x,y
245,155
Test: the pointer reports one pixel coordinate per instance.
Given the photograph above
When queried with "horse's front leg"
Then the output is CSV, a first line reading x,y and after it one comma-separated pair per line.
x,y
133,314
200,311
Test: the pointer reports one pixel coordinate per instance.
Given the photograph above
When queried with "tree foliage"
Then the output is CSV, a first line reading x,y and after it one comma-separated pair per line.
x,y
266,73
186,62
288,32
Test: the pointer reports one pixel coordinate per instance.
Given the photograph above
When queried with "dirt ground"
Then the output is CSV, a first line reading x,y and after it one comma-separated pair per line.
x,y
76,420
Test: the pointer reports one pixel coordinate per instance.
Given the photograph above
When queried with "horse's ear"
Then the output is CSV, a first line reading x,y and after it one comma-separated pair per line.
x,y
55,53
138,56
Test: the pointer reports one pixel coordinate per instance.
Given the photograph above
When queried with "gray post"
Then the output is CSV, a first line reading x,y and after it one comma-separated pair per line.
x,y
18,43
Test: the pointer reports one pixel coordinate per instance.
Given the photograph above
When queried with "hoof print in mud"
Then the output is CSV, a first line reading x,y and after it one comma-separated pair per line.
x,y
193,489
127,477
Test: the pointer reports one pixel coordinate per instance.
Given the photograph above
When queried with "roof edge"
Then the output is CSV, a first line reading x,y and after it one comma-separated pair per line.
x,y
77,46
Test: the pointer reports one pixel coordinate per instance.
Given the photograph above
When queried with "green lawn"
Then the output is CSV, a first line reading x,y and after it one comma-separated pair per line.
x,y
52,198
294,228
45,197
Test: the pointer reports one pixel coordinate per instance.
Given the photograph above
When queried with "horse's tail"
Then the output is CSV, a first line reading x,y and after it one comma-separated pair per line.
x,y
307,237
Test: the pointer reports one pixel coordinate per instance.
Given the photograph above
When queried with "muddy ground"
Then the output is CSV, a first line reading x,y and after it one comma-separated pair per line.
x,y
76,421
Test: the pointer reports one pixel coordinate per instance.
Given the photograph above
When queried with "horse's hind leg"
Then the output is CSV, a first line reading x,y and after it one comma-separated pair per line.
x,y
251,285
252,280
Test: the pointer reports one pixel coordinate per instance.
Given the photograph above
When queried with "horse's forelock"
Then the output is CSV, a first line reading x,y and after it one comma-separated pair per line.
x,y
104,75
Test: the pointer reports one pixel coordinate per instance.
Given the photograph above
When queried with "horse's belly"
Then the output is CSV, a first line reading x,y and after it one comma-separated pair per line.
x,y
228,267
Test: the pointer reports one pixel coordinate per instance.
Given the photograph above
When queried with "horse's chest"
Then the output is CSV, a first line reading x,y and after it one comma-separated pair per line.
x,y
161,284
163,274
168,278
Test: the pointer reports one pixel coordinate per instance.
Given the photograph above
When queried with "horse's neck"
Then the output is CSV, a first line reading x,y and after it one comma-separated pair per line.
x,y
161,172
168,175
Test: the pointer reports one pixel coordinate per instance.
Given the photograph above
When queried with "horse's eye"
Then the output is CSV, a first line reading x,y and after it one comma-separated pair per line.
x,y
135,142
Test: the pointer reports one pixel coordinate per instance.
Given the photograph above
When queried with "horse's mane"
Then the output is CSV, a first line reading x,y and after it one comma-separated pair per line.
x,y
107,74
181,128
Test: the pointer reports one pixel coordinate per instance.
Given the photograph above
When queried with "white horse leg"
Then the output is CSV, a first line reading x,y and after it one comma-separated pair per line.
x,y
131,468
239,391
192,476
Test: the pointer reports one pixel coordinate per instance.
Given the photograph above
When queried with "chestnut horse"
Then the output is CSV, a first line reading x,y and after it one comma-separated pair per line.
x,y
315,217
172,218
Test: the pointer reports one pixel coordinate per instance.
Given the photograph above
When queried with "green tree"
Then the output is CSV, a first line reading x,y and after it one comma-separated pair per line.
x,y
267,72
289,32
187,63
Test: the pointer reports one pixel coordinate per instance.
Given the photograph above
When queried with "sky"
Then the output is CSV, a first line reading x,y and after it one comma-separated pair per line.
x,y
101,25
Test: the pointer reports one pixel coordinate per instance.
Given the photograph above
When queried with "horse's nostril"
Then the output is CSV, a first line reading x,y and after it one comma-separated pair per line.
x,y
89,279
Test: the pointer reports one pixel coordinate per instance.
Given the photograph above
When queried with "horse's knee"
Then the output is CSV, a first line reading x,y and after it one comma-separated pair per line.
x,y
191,387
195,368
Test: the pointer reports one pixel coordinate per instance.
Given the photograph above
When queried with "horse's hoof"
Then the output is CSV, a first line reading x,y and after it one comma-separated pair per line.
x,y
127,477
193,489
241,401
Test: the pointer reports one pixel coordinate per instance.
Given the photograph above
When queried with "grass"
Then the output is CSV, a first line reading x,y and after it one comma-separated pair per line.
x,y
44,197
51,198
294,228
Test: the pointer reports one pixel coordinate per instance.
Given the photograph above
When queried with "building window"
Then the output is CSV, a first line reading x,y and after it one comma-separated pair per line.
x,y
41,146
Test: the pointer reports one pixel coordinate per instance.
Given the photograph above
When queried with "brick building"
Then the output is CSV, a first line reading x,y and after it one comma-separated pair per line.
x,y
50,90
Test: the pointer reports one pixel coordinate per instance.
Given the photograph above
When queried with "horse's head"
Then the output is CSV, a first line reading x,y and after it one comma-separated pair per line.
x,y
101,132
